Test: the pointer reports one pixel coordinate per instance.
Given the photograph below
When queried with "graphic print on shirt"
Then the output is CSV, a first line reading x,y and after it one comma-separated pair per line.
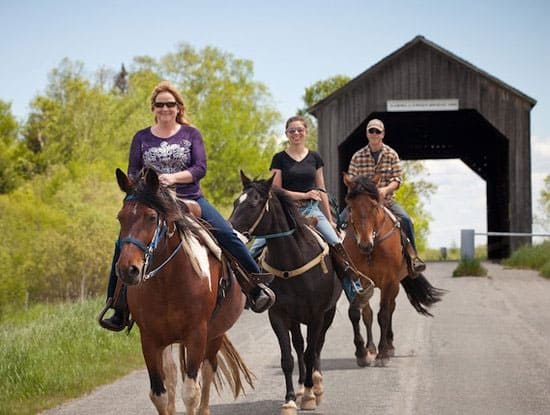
x,y
169,158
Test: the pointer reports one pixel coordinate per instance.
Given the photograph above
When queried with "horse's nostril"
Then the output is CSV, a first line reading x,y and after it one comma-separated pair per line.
x,y
133,271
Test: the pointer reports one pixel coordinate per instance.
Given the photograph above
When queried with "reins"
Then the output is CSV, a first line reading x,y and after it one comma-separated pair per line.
x,y
161,230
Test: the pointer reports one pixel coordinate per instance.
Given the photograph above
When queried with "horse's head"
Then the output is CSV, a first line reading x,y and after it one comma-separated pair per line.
x,y
363,202
147,215
250,208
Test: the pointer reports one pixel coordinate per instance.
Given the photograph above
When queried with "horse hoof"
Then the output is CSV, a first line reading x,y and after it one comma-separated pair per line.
x,y
371,357
308,400
362,361
381,361
289,408
318,389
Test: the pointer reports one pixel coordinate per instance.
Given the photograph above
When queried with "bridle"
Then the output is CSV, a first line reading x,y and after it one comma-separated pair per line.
x,y
261,215
375,234
161,230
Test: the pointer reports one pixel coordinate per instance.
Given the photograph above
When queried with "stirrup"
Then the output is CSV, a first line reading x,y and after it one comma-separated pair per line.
x,y
362,297
110,323
418,265
263,301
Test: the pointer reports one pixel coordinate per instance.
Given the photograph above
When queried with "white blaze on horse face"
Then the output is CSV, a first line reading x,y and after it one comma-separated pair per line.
x,y
243,197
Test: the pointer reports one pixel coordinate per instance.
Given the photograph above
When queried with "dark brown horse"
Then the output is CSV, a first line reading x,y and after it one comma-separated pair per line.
x,y
373,240
305,285
173,283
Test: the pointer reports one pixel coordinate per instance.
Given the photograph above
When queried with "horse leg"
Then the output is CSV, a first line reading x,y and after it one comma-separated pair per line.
x,y
317,376
170,377
153,355
354,315
195,351
313,333
298,343
391,348
208,371
387,305
367,321
281,327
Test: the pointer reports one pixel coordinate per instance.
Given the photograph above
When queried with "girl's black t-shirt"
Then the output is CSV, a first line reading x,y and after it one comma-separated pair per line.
x,y
297,176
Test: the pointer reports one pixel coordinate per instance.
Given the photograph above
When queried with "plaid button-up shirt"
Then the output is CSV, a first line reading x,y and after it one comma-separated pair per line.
x,y
387,169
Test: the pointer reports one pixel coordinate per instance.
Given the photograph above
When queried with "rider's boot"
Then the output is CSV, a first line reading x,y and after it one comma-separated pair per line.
x,y
415,264
116,299
358,287
255,286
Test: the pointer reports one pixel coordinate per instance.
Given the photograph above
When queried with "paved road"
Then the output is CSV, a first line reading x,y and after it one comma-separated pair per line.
x,y
485,352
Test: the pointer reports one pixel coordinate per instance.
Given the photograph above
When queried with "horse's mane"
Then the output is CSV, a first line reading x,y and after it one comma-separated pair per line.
x,y
289,207
363,185
164,200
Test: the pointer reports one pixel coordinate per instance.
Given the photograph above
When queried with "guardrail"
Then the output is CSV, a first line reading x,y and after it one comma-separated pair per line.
x,y
467,236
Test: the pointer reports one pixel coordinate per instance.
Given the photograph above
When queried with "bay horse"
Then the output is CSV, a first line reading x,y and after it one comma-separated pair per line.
x,y
305,285
173,282
373,241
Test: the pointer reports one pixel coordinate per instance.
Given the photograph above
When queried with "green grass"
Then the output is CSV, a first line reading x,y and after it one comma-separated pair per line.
x,y
53,353
535,257
471,268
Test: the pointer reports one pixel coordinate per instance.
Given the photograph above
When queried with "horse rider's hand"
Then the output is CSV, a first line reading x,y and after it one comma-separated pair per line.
x,y
384,192
313,195
166,179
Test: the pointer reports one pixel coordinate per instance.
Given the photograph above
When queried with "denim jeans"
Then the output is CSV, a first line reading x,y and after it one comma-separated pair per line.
x,y
226,236
406,222
311,208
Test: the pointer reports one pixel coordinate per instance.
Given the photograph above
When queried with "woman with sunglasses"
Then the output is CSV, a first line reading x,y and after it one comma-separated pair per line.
x,y
299,172
176,150
380,161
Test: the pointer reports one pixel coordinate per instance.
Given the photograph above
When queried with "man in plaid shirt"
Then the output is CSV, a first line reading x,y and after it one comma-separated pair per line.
x,y
380,162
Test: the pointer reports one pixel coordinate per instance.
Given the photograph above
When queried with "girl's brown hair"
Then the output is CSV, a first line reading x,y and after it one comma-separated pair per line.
x,y
296,118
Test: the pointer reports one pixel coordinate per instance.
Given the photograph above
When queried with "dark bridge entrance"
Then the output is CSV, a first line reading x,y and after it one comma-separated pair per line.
x,y
462,134
489,132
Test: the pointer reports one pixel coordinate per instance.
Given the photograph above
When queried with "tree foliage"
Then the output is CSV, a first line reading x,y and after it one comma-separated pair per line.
x,y
544,202
59,197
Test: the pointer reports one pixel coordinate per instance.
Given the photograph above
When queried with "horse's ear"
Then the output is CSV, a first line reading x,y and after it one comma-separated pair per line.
x,y
152,179
244,180
123,181
269,182
348,180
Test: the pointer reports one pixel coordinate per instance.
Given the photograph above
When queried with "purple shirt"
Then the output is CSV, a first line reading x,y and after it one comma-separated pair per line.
x,y
182,151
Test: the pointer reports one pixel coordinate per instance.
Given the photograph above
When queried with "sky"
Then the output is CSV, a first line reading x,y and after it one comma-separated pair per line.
x,y
294,44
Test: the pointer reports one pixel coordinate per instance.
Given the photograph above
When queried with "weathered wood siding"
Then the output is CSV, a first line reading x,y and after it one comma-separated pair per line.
x,y
422,70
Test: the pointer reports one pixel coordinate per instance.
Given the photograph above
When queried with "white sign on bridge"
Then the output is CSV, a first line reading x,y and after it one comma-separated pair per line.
x,y
404,105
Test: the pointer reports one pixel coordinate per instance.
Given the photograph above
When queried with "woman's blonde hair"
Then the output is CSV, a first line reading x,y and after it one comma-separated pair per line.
x,y
166,86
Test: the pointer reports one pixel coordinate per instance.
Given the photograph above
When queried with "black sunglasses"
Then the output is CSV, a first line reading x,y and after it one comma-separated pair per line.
x,y
170,104
374,131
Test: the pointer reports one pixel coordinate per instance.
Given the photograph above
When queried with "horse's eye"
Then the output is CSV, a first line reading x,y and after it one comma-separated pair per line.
x,y
152,217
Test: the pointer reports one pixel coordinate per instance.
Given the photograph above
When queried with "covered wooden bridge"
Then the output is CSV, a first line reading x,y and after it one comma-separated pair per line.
x,y
436,105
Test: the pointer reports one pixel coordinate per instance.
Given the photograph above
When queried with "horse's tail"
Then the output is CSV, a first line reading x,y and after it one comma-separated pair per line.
x,y
230,368
421,293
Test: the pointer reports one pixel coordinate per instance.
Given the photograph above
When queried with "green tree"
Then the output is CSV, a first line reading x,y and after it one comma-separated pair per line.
x,y
13,154
62,220
544,202
315,93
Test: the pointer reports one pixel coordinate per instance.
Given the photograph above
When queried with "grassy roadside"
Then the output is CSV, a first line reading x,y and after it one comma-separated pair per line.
x,y
53,353
535,257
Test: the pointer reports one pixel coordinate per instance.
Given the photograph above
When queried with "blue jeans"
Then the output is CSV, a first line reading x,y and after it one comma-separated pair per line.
x,y
226,236
311,208
406,222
